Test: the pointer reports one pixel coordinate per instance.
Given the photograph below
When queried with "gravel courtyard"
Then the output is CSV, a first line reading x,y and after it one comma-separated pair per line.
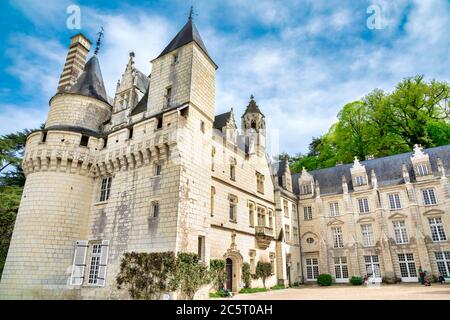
x,y
344,292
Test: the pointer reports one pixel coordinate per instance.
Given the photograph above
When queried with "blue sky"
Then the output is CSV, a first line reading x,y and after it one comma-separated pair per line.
x,y
302,59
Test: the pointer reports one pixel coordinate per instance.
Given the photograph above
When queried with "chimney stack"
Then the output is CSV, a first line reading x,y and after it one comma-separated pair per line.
x,y
75,61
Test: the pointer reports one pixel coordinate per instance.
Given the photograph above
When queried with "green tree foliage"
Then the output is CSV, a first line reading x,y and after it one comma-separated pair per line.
x,y
147,275
9,204
382,124
263,271
191,275
246,275
218,274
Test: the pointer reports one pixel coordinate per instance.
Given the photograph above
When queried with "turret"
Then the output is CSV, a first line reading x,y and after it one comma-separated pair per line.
x,y
254,125
59,164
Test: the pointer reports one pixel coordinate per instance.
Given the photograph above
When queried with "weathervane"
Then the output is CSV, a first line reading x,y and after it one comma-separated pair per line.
x,y
101,34
191,13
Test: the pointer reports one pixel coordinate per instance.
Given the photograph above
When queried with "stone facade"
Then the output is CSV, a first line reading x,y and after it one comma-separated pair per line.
x,y
154,169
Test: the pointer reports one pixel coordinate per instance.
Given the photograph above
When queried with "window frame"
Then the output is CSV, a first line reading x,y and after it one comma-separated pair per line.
x,y
429,197
437,229
400,232
363,205
105,189
394,201
338,238
367,235
307,213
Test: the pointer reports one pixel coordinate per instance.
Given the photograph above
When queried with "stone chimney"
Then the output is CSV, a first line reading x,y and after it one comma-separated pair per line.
x,y
75,61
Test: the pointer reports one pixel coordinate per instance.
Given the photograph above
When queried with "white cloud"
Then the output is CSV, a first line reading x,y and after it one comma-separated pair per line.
x,y
316,56
16,117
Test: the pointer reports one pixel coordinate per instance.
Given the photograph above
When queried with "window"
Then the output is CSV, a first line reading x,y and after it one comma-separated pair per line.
x,y
232,211
233,172
360,180
287,230
307,212
286,208
213,194
155,209
95,263
175,58
295,235
158,168
429,197
312,268
363,204
270,219
305,189
260,182
394,201
44,136
261,217
422,169
310,240
130,133
105,189
367,234
407,265
401,235
168,96
341,268
437,229
372,264
201,249
334,209
159,122
213,153
294,211
251,215
443,262
338,241
202,126
84,141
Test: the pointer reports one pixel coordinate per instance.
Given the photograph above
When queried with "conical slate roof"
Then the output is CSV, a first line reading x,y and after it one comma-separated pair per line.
x,y
90,83
188,34
252,107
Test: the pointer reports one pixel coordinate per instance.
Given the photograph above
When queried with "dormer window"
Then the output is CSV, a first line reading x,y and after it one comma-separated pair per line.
x,y
360,180
306,189
422,169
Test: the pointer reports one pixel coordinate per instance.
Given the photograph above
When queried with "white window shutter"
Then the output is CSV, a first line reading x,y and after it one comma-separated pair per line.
x,y
103,264
79,263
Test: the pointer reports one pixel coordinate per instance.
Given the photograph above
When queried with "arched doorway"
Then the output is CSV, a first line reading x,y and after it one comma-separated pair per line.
x,y
229,271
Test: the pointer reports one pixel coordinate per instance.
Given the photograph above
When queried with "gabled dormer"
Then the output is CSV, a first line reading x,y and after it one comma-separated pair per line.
x,y
226,124
421,164
284,175
359,176
306,185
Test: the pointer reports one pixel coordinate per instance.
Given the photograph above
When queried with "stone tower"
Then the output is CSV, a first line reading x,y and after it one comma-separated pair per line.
x,y
55,204
254,127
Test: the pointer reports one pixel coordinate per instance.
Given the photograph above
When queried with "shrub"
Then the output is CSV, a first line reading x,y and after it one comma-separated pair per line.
x,y
246,275
252,290
190,274
356,280
263,271
325,279
147,275
218,294
217,273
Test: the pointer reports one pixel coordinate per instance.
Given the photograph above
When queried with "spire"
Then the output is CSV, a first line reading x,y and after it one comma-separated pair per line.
x,y
90,83
252,107
187,34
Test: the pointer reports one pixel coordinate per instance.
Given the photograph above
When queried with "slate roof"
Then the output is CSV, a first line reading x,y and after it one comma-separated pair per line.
x,y
142,81
142,104
221,120
252,107
187,34
90,83
388,171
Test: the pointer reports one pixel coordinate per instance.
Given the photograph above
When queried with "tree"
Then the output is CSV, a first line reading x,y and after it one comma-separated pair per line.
x,y
147,275
246,275
218,274
9,205
190,274
263,271
11,149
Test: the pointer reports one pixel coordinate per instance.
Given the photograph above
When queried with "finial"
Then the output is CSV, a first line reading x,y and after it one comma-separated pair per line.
x,y
191,13
101,34
252,97
132,54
